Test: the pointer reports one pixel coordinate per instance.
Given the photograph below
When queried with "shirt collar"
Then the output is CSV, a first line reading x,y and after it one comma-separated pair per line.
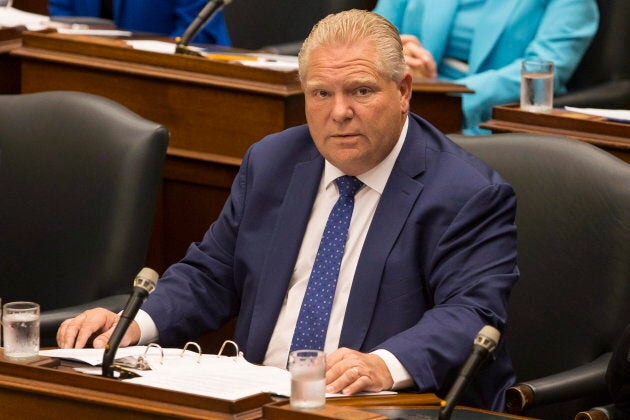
x,y
377,177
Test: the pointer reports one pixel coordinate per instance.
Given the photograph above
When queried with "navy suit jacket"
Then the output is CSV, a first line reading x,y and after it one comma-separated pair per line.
x,y
168,17
438,261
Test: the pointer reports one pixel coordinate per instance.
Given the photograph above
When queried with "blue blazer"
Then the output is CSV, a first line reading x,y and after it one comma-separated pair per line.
x,y
168,17
512,30
438,261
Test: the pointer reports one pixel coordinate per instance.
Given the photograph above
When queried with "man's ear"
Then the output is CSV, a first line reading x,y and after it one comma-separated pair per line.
x,y
405,92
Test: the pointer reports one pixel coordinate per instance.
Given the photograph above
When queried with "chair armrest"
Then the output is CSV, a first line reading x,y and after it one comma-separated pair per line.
x,y
563,386
50,320
607,412
611,95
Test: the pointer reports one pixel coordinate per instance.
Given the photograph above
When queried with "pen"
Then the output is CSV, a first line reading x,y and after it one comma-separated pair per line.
x,y
227,57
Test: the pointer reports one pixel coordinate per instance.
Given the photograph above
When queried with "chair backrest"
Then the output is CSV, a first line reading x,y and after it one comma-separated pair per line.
x,y
78,187
254,24
606,59
572,301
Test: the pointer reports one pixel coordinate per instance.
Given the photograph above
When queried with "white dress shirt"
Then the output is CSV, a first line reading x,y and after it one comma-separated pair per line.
x,y
366,200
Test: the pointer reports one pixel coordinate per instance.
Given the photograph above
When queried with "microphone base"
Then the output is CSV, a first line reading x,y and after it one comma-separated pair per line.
x,y
184,50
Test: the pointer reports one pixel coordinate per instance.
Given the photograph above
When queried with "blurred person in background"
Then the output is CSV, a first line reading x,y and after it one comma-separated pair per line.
x,y
481,44
166,17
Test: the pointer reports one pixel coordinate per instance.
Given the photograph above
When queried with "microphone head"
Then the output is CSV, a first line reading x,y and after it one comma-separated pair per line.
x,y
146,279
488,337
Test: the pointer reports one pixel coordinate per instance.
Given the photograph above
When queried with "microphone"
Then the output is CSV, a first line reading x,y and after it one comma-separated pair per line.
x,y
484,344
200,21
143,284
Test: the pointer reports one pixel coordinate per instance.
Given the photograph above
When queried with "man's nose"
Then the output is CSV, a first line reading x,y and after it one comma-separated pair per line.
x,y
342,109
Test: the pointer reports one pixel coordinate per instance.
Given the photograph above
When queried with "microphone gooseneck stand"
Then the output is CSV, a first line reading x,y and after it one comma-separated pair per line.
x,y
200,21
485,342
143,284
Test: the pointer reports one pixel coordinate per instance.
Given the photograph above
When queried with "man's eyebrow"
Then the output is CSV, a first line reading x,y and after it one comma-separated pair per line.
x,y
314,84
317,84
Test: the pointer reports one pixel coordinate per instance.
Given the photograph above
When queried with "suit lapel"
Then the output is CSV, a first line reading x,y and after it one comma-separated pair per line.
x,y
435,26
399,197
496,14
282,253
117,7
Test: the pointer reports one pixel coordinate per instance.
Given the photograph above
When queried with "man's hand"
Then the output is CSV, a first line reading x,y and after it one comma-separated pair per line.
x,y
98,323
349,372
419,60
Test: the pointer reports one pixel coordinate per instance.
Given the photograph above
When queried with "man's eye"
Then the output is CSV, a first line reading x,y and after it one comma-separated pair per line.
x,y
362,91
322,93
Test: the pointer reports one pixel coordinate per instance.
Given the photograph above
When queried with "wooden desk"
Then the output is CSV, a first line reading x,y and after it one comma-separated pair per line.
x,y
401,406
611,136
34,6
213,110
10,39
43,390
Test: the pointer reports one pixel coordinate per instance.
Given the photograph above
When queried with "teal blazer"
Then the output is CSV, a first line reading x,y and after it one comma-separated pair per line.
x,y
511,30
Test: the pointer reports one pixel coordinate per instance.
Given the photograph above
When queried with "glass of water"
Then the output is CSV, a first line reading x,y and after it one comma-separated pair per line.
x,y
308,379
20,327
537,85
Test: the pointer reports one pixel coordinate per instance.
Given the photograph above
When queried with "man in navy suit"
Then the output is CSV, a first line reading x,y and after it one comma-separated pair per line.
x,y
430,256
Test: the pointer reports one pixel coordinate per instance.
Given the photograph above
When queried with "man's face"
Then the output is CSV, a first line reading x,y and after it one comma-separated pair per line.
x,y
354,114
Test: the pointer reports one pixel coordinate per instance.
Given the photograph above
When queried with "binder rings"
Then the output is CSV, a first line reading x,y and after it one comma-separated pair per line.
x,y
211,375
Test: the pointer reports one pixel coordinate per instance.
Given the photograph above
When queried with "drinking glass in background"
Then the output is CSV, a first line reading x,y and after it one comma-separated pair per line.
x,y
308,379
6,3
20,328
537,85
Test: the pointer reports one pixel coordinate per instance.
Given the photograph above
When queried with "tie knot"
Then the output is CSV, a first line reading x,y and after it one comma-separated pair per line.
x,y
348,185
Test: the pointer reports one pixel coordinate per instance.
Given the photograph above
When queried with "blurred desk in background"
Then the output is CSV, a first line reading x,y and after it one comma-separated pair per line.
x,y
613,137
33,6
214,111
10,39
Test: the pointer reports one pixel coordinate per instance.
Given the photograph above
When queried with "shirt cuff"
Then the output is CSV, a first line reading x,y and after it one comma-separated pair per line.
x,y
400,375
148,330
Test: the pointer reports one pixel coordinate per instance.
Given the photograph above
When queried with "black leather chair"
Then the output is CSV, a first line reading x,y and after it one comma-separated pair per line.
x,y
617,374
602,80
280,26
571,303
78,187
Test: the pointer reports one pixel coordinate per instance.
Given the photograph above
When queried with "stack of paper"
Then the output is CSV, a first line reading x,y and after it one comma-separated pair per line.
x,y
619,115
10,17
224,377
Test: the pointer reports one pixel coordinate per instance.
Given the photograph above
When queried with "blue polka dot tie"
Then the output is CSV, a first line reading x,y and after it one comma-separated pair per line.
x,y
312,323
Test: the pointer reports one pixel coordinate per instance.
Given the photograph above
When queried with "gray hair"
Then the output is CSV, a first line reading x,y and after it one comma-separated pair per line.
x,y
353,26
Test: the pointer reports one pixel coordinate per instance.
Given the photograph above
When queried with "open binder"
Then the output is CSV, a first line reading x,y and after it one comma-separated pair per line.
x,y
212,375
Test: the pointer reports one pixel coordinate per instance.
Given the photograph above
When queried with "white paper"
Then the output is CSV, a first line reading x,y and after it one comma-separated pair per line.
x,y
261,60
153,46
223,377
92,357
94,32
10,17
611,114
266,64
228,378
272,61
